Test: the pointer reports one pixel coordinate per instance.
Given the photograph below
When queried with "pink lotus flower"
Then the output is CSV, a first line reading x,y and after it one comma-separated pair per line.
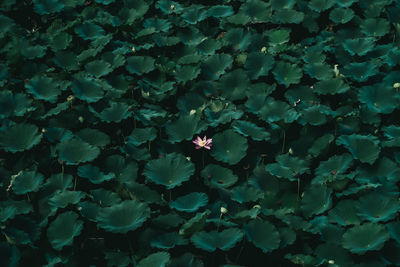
x,y
206,143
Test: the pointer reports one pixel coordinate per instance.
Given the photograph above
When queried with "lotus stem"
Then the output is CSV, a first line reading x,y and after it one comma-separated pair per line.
x,y
149,145
283,143
62,169
298,188
75,183
202,158
27,195
219,221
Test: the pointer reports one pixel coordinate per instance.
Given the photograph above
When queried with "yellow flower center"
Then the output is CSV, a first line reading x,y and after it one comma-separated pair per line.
x,y
202,143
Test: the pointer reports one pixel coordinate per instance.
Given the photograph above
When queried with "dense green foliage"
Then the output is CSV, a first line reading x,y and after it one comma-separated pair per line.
x,y
100,101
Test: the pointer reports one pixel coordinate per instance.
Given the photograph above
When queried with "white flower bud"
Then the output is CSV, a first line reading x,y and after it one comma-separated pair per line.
x,y
223,210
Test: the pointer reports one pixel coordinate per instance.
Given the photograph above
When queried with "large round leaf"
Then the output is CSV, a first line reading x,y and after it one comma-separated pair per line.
x,y
63,229
363,147
140,64
288,167
362,238
12,104
159,259
316,200
258,64
124,217
287,74
379,98
170,171
331,86
44,88
185,127
210,241
263,235
214,66
218,176
229,147
247,128
190,202
378,207
94,174
74,151
26,181
19,137
87,89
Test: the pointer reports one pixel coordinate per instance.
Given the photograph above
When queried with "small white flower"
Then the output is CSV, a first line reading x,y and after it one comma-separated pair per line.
x,y
263,49
223,210
331,262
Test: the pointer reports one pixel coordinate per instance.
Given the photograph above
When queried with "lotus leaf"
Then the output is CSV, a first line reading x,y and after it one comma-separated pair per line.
x,y
288,167
190,36
75,151
278,4
220,112
57,134
64,198
142,135
184,128
43,7
194,224
44,88
363,147
87,89
158,24
258,64
94,174
246,128
186,73
320,5
168,241
320,144
12,104
61,41
218,176
115,113
238,38
394,230
254,10
214,66
26,181
156,259
341,15
170,171
98,68
375,27
168,221
194,14
104,197
345,3
377,207
392,133
66,60
245,193
209,46
365,237
23,232
94,137
378,98
288,15
19,137
275,110
89,31
220,11
190,202
319,71
119,258
123,217
140,64
286,73
229,147
360,71
316,200
263,235
334,253
125,171
331,87
210,241
63,229
233,85
315,115
344,213
335,168
359,46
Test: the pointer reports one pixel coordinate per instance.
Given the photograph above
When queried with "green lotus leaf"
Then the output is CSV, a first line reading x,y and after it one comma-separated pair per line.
x,y
384,167
233,85
274,110
247,128
66,60
13,104
331,87
125,170
87,89
335,168
359,46
162,25
214,66
288,15
194,14
392,133
218,177
98,68
94,137
345,3
140,64
24,231
142,135
258,64
170,171
105,198
89,31
190,202
156,259
184,128
117,112
190,101
168,241
238,38
44,88
319,71
376,207
221,112
123,217
210,241
344,213
105,2
57,182
375,27
64,198
33,51
168,221
209,46
229,147
54,134
365,237
63,229
334,253
194,224
278,4
316,200
320,5
244,193
19,137
254,11
378,98
263,235
363,147
6,24
394,230
279,37
320,144
26,181
315,115
11,208
287,74
43,7
61,41
115,60
186,73
89,210
94,174
341,15
220,11
288,167
118,258
190,36
75,151
132,11
360,71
